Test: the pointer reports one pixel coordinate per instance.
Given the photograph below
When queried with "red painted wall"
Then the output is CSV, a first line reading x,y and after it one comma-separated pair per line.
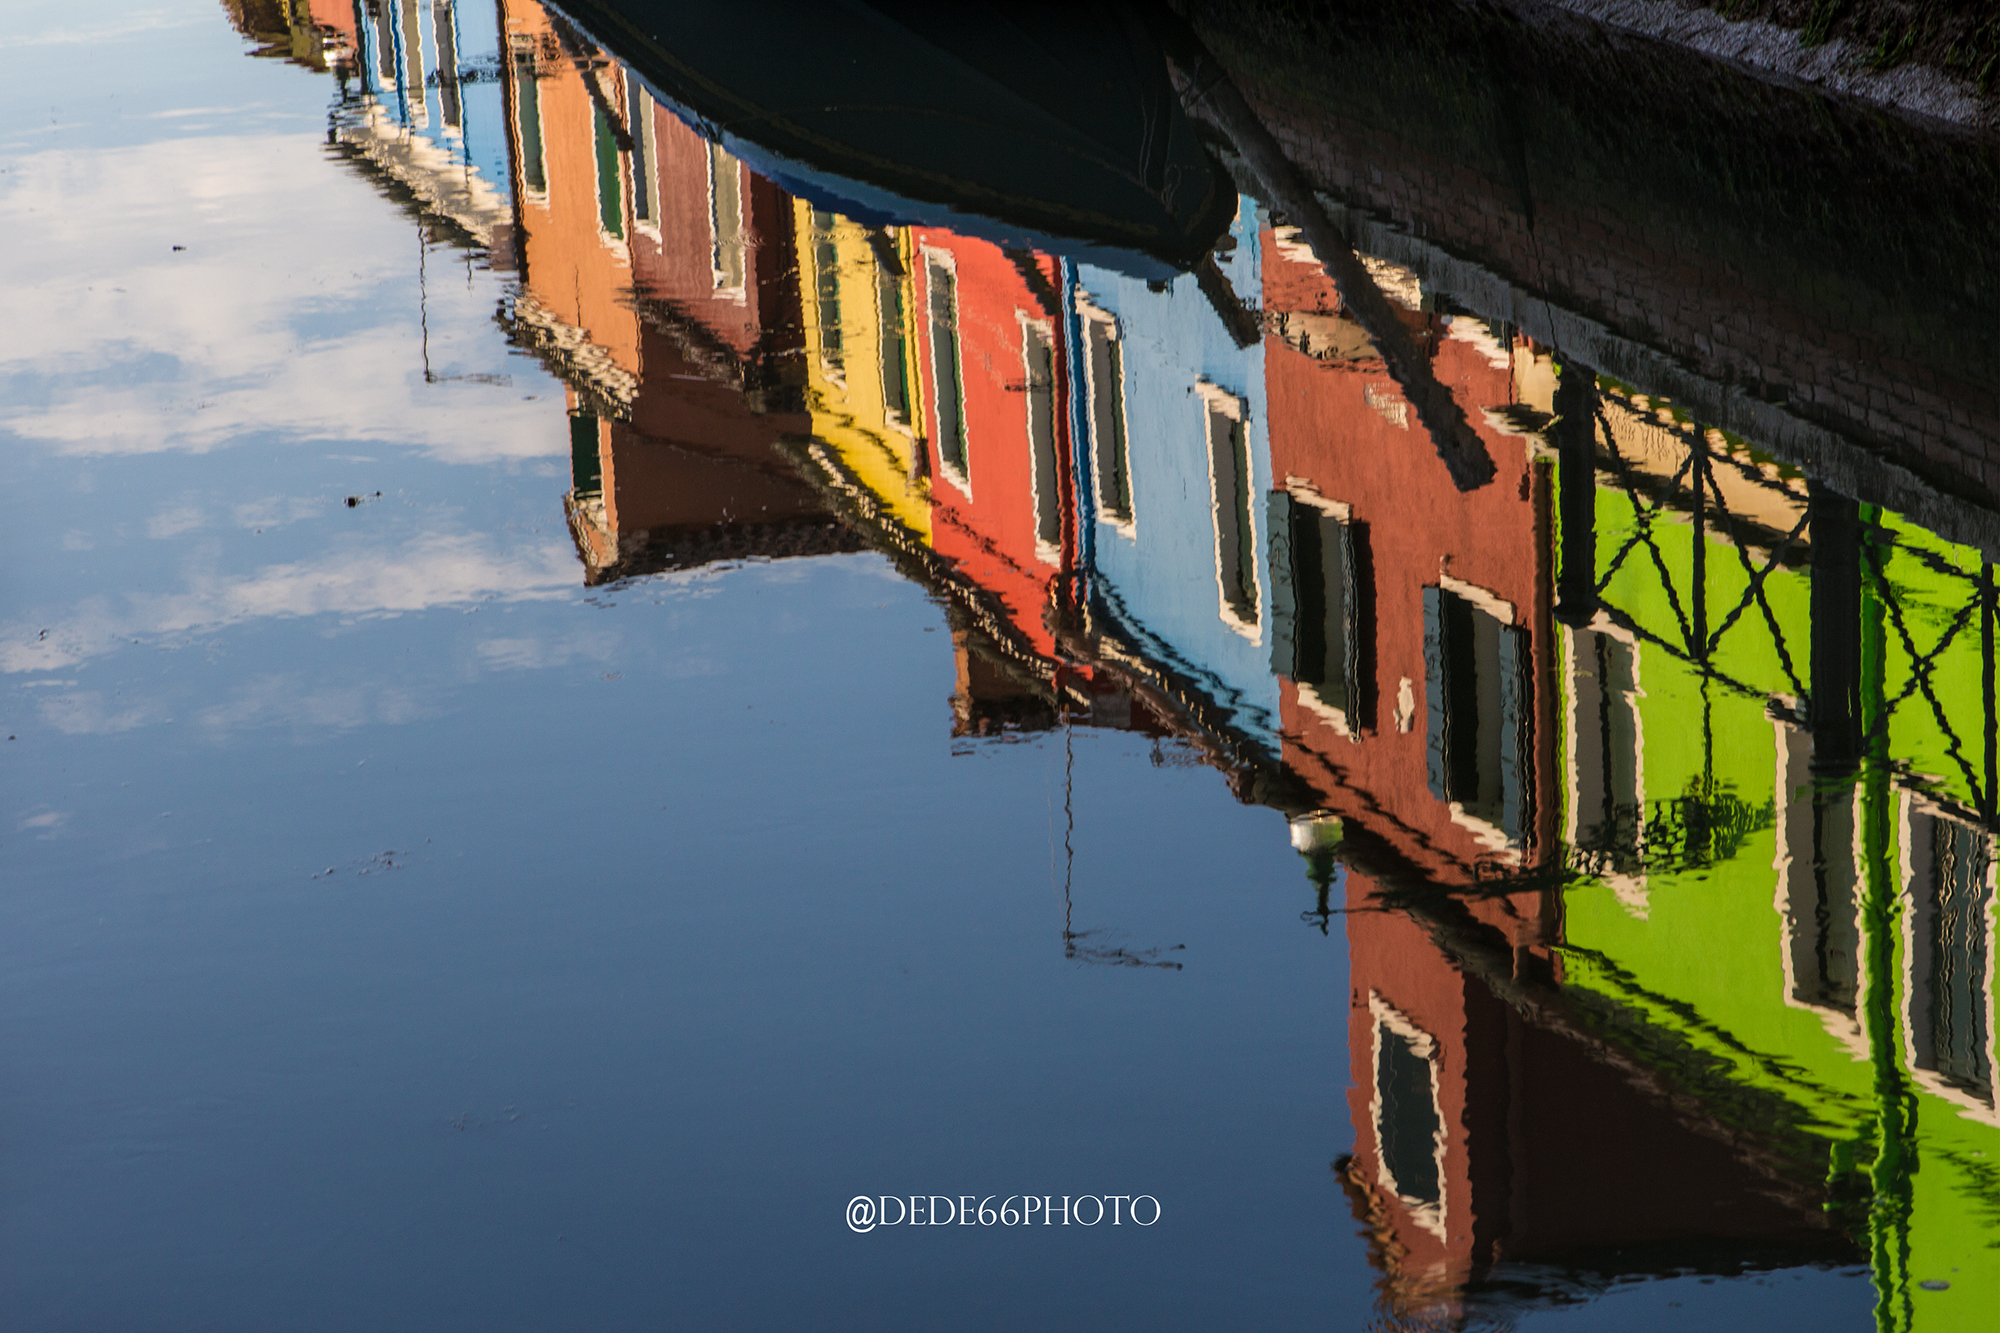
x,y
988,525
1342,428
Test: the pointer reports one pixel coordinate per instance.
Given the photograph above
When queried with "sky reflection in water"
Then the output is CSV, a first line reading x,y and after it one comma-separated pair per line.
x,y
570,711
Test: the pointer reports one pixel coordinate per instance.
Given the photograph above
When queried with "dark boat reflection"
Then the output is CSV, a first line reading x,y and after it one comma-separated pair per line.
x,y
1051,127
1656,779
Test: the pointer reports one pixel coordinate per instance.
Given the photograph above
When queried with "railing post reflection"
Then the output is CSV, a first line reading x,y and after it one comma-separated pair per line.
x,y
1895,1163
1989,731
1835,712
1575,430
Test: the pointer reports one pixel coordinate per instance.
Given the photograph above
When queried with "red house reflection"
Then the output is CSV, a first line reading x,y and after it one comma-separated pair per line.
x,y
1494,1130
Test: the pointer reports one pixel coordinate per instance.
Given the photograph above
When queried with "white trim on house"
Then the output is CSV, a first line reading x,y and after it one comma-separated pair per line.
x,y
1429,1214
1220,405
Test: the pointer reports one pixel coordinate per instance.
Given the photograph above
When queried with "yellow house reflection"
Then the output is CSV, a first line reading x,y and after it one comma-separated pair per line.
x,y
861,389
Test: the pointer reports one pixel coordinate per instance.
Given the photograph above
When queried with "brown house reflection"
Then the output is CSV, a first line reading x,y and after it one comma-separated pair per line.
x,y
1498,1156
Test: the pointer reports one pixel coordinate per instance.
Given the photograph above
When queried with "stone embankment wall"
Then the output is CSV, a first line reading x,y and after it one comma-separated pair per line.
x,y
1823,273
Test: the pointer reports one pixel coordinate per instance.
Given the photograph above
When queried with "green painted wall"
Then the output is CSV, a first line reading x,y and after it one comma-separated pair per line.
x,y
1698,949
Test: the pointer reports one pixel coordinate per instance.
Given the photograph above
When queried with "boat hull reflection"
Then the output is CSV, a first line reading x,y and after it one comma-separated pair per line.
x,y
1052,128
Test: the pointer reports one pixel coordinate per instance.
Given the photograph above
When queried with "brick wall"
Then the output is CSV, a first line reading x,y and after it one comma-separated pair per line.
x,y
1830,265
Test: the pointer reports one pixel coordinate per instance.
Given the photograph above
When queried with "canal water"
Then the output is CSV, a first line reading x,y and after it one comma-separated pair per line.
x,y
593,741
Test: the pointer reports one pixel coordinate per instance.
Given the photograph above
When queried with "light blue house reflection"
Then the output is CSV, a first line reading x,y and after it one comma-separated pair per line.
x,y
429,110
1173,464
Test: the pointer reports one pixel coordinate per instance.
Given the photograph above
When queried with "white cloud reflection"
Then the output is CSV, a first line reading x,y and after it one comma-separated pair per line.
x,y
436,570
275,511
290,700
290,313
43,824
93,34
535,654
174,520
85,713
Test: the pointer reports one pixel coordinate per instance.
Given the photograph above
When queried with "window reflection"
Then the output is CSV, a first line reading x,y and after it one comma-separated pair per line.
x,y
947,378
1409,1125
725,221
530,158
1480,726
1104,380
1228,448
1320,599
1951,953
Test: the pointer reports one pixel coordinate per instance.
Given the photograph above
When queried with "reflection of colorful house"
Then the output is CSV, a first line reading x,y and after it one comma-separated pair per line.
x,y
318,34
1771,784
937,376
991,357
1452,734
1780,745
1414,652
425,111
1410,626
861,384
654,273
1173,450
1772,958
417,102
1492,1146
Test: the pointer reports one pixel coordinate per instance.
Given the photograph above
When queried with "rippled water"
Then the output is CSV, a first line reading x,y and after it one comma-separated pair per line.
x,y
570,711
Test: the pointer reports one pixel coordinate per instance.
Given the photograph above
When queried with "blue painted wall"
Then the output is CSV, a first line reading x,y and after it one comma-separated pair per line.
x,y
1156,585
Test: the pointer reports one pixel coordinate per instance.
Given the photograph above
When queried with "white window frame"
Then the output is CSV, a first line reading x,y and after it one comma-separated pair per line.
x,y
1099,323
524,52
1632,890
1428,1215
641,123
1913,809
958,474
1220,403
1043,331
720,160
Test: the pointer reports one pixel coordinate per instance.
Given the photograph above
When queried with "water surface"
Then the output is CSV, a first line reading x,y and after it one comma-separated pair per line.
x,y
570,711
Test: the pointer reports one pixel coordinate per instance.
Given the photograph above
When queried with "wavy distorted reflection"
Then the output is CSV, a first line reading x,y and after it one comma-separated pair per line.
x,y
1658,777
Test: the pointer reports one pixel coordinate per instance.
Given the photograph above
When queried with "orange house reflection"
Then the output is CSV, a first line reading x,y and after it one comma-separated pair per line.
x,y
657,278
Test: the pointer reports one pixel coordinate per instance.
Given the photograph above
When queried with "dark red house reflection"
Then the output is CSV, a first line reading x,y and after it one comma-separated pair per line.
x,y
1505,1139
